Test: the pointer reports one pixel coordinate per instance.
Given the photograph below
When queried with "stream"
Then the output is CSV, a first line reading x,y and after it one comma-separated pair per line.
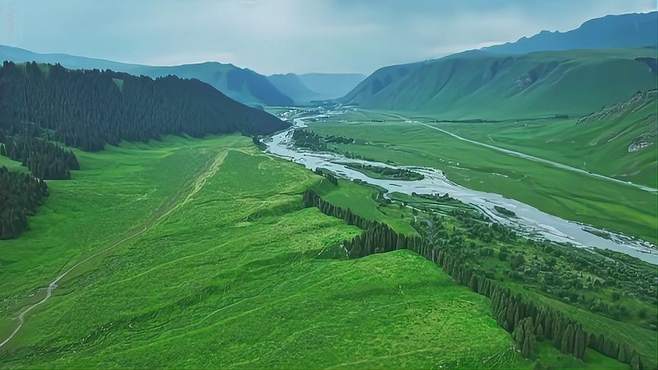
x,y
529,221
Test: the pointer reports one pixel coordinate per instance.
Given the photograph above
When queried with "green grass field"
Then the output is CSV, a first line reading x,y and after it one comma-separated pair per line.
x,y
386,137
219,267
12,165
600,145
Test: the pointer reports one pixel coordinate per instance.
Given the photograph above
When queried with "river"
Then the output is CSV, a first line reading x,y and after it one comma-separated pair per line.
x,y
528,221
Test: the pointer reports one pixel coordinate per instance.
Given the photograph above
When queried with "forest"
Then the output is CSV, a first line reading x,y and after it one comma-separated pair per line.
x,y
20,195
88,109
44,108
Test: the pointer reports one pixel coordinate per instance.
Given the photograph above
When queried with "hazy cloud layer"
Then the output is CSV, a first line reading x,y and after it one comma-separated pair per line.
x,y
287,35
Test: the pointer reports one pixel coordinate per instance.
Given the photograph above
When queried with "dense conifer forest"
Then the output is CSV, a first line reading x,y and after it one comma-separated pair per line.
x,y
46,160
20,195
90,108
45,107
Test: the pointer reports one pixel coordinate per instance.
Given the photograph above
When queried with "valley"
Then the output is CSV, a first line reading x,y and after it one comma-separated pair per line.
x,y
571,195
390,186
244,252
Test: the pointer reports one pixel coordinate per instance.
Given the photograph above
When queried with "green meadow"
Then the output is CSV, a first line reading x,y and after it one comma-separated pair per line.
x,y
599,145
198,253
574,196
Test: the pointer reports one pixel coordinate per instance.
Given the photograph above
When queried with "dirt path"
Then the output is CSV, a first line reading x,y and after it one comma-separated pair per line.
x,y
158,216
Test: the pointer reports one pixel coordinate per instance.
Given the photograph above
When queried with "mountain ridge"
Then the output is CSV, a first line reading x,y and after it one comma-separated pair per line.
x,y
630,30
241,84
479,84
516,80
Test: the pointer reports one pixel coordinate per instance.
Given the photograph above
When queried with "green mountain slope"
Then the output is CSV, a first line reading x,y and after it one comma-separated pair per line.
x,y
304,88
479,84
89,109
617,141
241,84
612,31
291,85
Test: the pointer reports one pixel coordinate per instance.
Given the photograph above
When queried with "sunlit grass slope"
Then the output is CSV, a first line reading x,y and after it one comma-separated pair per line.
x,y
222,271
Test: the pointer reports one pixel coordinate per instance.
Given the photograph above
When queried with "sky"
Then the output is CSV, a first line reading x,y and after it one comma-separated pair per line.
x,y
280,36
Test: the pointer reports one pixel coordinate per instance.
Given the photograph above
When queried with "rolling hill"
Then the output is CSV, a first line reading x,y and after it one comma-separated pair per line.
x,y
612,31
480,84
241,84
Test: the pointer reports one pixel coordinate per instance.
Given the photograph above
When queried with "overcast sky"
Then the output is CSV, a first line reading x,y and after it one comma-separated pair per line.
x,y
273,36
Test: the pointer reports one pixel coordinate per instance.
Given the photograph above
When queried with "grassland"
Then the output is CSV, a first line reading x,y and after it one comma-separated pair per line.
x,y
599,144
387,137
12,165
483,85
214,263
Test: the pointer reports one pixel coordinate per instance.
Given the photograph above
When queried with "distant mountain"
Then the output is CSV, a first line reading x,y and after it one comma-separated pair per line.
x,y
612,31
89,109
291,85
479,84
331,85
241,84
304,88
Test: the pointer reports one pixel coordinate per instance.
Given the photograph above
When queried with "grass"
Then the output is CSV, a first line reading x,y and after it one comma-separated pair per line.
x,y
599,145
567,194
223,273
493,86
361,200
12,165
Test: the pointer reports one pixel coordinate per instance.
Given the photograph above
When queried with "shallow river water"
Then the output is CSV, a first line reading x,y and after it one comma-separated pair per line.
x,y
529,221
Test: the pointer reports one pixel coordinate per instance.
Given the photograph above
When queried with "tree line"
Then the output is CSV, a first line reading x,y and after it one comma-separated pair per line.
x,y
45,159
43,106
90,108
20,195
527,319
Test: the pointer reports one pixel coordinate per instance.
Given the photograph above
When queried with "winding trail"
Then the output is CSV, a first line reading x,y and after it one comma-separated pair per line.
x,y
536,159
166,209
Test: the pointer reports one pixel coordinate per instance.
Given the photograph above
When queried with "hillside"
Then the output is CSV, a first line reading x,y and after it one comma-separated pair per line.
x,y
479,84
291,85
304,88
617,141
241,84
89,109
612,31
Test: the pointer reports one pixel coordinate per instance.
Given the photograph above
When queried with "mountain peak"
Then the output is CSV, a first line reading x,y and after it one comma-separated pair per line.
x,y
610,31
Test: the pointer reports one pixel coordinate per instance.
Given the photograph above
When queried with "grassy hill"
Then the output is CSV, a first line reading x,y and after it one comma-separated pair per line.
x,y
611,31
219,266
618,141
479,84
241,84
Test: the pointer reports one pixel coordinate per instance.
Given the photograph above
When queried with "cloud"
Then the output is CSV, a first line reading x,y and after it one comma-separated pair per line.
x,y
287,35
